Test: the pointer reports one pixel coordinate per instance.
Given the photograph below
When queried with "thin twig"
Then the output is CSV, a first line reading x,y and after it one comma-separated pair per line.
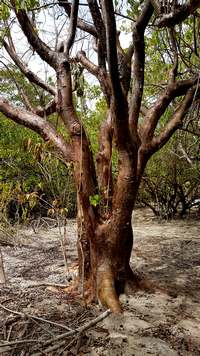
x,y
81,328
81,4
47,284
35,317
9,332
50,322
77,331
58,346
16,342
43,327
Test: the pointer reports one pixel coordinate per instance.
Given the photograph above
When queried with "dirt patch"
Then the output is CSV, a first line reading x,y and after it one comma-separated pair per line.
x,y
165,323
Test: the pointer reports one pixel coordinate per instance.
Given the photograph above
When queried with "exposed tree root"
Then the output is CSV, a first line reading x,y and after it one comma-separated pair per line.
x,y
140,282
106,292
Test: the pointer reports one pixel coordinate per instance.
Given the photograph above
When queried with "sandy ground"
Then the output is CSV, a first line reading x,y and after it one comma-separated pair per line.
x,y
163,323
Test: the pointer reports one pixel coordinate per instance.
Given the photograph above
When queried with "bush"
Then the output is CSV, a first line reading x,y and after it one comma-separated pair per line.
x,y
33,180
171,184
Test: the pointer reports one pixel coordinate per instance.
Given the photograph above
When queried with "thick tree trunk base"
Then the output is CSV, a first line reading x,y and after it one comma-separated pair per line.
x,y
107,293
104,256
109,289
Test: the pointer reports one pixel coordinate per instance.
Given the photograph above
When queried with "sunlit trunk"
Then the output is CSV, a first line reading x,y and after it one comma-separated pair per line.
x,y
105,247
104,259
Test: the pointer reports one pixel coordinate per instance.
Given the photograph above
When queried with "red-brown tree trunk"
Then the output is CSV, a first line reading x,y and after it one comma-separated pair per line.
x,y
106,255
113,248
107,272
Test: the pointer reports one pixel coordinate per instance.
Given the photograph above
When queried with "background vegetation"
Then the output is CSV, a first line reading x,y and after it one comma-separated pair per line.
x,y
34,182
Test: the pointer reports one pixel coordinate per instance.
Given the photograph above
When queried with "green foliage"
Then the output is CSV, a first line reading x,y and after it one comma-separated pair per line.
x,y
31,176
26,4
95,200
172,182
4,11
92,111
17,171
134,8
32,180
12,80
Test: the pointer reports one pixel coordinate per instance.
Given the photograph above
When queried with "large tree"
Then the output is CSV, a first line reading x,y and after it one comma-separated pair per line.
x,y
133,127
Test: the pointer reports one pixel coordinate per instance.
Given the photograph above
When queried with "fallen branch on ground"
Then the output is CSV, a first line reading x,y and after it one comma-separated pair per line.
x,y
15,342
81,328
47,284
77,331
35,317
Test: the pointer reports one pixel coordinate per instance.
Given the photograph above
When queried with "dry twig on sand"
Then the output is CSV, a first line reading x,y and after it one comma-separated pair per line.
x,y
25,315
55,342
77,332
47,284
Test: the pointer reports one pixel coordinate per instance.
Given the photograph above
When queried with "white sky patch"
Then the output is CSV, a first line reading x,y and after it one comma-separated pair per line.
x,y
53,28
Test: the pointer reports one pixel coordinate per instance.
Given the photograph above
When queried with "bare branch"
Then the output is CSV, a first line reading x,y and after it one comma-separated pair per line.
x,y
179,15
100,28
72,25
175,122
173,72
26,100
87,64
153,115
184,153
111,38
37,124
81,24
49,109
195,37
21,92
41,48
98,72
139,61
150,143
32,77
80,329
